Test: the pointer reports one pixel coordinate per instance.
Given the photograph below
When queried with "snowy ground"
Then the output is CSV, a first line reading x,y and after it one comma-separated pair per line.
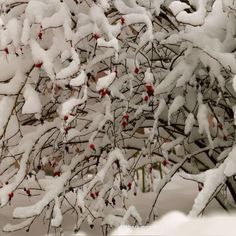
x,y
178,195
178,224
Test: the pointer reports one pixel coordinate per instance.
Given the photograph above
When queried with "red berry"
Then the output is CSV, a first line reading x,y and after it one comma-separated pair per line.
x,y
10,195
57,87
57,173
103,92
124,123
122,19
67,129
96,36
38,65
149,89
150,169
6,50
91,146
28,192
126,116
146,98
65,118
92,195
129,185
40,35
136,70
165,162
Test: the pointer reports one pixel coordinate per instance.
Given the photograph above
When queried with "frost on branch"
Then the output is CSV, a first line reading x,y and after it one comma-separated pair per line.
x,y
101,101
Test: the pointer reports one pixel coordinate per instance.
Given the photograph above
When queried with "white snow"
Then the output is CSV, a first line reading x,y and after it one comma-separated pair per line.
x,y
123,8
72,68
104,4
234,83
53,188
189,123
172,76
176,7
25,146
60,16
106,81
230,168
14,85
196,18
113,220
68,105
113,43
23,224
25,37
79,80
148,76
42,56
36,11
32,101
6,107
202,117
212,180
161,107
169,145
178,224
134,18
114,155
57,215
14,31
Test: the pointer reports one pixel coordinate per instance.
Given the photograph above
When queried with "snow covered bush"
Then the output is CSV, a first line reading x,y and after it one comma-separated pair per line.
x,y
95,93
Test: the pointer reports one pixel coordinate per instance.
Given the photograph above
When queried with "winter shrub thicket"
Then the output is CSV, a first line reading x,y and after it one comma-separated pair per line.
x,y
103,100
